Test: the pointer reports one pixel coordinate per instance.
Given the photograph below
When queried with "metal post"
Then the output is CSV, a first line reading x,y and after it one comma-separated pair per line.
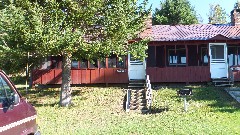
x,y
185,103
27,73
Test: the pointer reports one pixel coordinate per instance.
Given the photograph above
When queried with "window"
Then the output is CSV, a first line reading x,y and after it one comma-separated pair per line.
x,y
55,62
112,61
93,64
51,62
84,63
193,55
178,57
74,64
115,62
5,91
102,63
46,63
217,51
160,56
151,60
233,56
204,56
121,62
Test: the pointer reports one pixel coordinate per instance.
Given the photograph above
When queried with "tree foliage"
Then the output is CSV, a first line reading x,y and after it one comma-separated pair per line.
x,y
237,5
173,12
217,15
83,29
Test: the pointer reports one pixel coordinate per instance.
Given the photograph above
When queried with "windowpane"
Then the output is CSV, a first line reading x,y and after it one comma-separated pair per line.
x,y
182,56
117,62
83,64
151,61
74,64
204,56
45,63
193,55
232,56
121,62
5,91
160,56
94,64
178,58
102,63
55,60
112,61
217,51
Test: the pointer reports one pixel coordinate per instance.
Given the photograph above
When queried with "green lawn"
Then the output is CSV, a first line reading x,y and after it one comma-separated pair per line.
x,y
99,111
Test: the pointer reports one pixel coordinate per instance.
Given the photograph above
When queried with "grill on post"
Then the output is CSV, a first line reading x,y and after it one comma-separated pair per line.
x,y
184,93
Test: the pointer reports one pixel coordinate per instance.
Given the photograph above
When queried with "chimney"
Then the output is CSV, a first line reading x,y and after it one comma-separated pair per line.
x,y
235,17
148,21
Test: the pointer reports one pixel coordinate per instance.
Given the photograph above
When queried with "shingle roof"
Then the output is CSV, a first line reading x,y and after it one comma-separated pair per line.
x,y
190,32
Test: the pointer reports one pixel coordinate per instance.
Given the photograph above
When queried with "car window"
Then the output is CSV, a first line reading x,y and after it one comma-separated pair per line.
x,y
5,90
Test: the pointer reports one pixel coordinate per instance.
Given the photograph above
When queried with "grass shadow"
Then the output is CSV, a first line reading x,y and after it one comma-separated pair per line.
x,y
217,98
34,96
156,110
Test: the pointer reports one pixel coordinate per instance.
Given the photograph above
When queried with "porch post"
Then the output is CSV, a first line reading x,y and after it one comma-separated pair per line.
x,y
155,55
175,52
198,56
186,48
106,62
165,57
208,54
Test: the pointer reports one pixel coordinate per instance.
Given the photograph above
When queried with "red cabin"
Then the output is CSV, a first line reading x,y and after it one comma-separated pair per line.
x,y
181,53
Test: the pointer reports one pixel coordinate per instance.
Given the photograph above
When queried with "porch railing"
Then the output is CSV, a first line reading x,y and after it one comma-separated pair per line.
x,y
148,93
128,100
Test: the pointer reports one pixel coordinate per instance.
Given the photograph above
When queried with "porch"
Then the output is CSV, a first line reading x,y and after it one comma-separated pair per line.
x,y
190,61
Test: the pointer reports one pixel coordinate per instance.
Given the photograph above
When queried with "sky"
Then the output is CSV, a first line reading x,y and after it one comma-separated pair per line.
x,y
202,6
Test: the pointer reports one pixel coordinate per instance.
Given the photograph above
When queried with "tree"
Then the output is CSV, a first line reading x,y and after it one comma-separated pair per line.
x,y
83,29
173,12
237,5
217,14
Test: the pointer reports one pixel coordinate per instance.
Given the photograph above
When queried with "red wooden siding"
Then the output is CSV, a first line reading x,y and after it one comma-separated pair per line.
x,y
110,75
81,76
47,76
179,74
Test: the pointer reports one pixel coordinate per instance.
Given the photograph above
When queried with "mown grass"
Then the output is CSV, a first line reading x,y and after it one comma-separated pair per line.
x,y
100,111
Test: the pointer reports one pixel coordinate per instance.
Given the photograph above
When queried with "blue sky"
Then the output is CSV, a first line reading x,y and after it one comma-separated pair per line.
x,y
202,6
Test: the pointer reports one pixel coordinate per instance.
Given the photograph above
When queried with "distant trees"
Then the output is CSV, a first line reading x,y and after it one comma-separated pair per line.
x,y
174,12
237,5
217,15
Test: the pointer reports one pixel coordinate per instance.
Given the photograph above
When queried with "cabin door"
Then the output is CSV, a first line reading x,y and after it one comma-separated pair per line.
x,y
218,60
136,69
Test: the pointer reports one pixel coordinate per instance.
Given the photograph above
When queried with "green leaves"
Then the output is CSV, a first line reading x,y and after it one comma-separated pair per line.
x,y
87,29
173,12
217,15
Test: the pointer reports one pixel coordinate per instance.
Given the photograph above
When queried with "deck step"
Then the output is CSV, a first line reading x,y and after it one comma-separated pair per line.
x,y
137,83
222,82
132,107
138,100
138,104
135,86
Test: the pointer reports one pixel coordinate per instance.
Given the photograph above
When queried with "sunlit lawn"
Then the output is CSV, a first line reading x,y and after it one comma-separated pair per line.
x,y
99,110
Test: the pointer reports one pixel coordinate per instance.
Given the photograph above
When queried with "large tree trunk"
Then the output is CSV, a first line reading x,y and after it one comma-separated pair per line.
x,y
65,94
